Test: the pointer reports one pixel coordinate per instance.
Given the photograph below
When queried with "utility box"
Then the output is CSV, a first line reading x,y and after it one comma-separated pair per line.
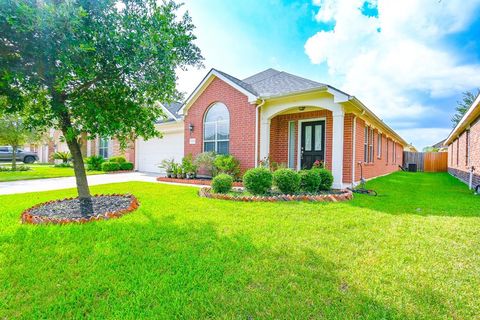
x,y
412,167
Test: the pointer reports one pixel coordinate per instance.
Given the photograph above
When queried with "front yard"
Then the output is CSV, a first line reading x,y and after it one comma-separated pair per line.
x,y
413,252
39,172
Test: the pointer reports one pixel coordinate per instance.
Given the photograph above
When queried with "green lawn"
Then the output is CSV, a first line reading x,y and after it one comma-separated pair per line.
x,y
40,172
413,252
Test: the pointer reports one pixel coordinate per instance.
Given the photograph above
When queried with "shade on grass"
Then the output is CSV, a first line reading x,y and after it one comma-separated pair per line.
x,y
40,172
412,252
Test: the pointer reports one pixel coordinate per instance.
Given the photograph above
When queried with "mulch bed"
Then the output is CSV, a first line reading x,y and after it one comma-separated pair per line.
x,y
68,210
334,196
204,182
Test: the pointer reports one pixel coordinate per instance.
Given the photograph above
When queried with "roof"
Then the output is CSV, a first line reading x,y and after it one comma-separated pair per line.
x,y
171,111
272,82
471,115
439,144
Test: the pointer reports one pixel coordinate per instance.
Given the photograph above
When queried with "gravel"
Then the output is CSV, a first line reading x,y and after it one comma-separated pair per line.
x,y
71,208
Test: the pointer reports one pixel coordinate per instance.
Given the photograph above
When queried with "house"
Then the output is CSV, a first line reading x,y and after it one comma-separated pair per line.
x,y
290,120
464,147
437,147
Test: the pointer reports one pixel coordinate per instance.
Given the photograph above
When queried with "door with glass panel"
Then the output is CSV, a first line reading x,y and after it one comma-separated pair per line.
x,y
312,146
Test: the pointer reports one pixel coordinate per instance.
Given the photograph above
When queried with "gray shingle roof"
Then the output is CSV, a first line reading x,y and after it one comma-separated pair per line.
x,y
173,108
238,82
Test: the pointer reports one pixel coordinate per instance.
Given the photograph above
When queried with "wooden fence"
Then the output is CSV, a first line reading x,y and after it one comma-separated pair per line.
x,y
427,161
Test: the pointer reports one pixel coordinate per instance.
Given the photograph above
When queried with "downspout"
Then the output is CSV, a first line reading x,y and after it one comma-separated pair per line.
x,y
257,109
354,142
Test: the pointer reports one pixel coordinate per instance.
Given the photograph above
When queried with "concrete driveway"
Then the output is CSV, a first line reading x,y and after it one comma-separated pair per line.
x,y
24,186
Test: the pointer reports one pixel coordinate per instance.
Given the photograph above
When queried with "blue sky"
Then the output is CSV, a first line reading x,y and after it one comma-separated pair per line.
x,y
407,60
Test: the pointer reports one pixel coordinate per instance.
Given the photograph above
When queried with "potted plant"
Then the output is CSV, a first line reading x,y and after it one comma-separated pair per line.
x,y
169,166
188,167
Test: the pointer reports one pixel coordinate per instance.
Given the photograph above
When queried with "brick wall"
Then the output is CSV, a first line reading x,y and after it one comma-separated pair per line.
x,y
459,166
382,165
279,135
242,122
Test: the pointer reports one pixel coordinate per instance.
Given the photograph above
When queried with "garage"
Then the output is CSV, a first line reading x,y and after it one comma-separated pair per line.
x,y
151,152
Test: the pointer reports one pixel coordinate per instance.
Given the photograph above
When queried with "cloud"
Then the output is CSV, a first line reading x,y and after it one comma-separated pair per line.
x,y
391,60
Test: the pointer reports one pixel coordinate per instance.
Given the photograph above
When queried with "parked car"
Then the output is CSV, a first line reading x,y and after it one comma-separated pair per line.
x,y
6,154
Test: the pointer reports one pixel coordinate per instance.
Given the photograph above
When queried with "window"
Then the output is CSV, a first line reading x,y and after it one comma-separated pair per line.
x,y
365,145
103,145
291,144
394,153
388,143
457,150
379,145
370,148
216,129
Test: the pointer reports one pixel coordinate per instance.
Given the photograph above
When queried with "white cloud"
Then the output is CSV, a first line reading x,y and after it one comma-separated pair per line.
x,y
389,60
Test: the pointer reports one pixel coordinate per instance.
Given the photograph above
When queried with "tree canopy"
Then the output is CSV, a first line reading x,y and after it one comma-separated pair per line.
x,y
93,66
468,97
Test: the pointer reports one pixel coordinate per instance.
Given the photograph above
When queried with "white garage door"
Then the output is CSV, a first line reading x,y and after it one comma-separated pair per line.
x,y
151,152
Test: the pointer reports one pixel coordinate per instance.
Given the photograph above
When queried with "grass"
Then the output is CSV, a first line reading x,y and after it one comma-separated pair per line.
x,y
413,252
40,172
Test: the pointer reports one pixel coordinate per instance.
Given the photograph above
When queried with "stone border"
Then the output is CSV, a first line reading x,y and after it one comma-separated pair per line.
x,y
204,182
345,195
28,218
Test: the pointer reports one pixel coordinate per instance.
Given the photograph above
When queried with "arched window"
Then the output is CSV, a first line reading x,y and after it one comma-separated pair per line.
x,y
216,129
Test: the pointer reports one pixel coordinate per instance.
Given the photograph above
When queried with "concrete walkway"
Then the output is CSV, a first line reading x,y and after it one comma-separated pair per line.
x,y
24,186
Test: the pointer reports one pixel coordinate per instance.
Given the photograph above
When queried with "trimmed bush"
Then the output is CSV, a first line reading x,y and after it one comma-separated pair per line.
x,y
287,181
258,181
309,181
126,166
110,166
94,162
326,179
227,164
222,183
118,159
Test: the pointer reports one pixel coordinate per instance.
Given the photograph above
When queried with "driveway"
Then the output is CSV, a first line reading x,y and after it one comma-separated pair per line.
x,y
24,186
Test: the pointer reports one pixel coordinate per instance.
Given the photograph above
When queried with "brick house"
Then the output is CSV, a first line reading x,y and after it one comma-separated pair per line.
x,y
464,147
290,120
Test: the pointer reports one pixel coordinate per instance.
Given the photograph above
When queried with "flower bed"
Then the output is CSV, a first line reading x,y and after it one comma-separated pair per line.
x,y
204,182
342,195
67,210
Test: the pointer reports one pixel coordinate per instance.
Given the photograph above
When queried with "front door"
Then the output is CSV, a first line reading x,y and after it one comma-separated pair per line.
x,y
312,147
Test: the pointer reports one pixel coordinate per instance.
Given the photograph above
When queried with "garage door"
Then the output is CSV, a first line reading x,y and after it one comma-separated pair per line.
x,y
151,152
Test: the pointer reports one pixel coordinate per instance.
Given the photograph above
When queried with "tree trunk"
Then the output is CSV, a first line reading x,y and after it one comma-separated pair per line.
x,y
14,158
84,196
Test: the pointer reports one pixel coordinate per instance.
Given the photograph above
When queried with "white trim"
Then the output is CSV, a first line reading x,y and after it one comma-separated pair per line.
x,y
299,139
166,111
338,128
354,149
214,73
288,144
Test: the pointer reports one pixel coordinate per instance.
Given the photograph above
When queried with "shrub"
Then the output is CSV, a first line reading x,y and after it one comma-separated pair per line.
x,y
64,156
206,161
222,183
18,168
126,166
287,181
118,159
94,162
110,166
227,164
257,181
188,166
326,179
309,180
63,165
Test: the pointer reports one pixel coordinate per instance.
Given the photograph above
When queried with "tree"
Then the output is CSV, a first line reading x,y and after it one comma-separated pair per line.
x,y
96,67
15,133
468,97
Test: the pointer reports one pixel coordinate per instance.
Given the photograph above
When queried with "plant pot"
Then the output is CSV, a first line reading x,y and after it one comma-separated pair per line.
x,y
169,174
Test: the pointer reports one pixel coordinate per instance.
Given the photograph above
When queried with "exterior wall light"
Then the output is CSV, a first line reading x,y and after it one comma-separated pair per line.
x,y
190,127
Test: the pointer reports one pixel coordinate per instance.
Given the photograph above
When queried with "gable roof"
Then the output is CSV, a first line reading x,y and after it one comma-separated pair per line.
x,y
171,111
471,115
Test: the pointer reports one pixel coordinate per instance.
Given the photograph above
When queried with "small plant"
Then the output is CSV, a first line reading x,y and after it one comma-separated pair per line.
x,y
119,159
228,164
168,165
309,180
64,156
318,164
127,166
178,172
258,181
188,166
206,161
287,181
326,179
110,166
18,168
94,162
222,183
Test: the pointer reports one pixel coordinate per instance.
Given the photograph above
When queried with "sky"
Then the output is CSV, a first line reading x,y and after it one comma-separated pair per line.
x,y
408,61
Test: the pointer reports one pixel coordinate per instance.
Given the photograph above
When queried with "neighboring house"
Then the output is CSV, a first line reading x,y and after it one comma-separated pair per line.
x,y
437,147
464,147
289,120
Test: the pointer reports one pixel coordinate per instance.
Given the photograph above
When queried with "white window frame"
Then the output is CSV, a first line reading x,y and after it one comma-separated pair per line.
x,y
291,152
216,122
379,145
105,148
